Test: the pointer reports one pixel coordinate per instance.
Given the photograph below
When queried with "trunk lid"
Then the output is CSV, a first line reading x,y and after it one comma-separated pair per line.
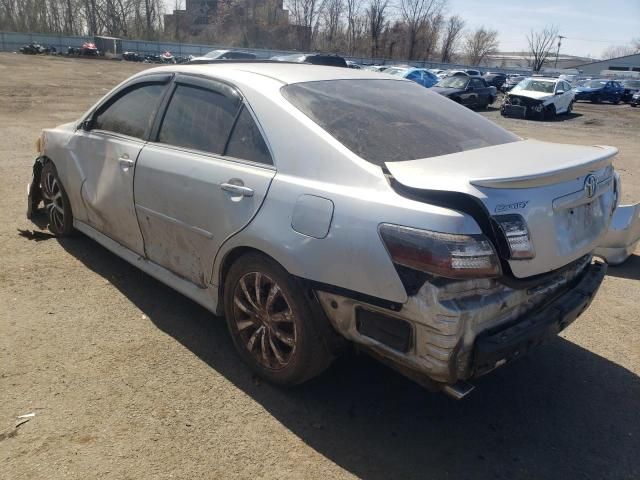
x,y
550,185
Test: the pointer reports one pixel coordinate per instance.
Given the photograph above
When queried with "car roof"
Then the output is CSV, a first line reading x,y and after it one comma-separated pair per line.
x,y
285,73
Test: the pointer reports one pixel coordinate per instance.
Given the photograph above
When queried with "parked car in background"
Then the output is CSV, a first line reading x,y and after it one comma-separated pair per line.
x,y
630,87
355,65
37,49
601,90
328,59
87,49
421,76
222,55
468,91
538,97
376,68
635,99
437,72
473,73
431,237
496,79
511,81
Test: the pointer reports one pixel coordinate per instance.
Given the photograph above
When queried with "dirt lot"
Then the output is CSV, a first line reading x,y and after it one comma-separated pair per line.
x,y
128,379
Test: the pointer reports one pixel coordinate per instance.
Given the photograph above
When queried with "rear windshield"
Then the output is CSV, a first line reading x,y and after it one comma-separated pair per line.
x,y
393,120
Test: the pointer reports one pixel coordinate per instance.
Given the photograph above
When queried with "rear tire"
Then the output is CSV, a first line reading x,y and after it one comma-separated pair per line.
x,y
271,322
56,202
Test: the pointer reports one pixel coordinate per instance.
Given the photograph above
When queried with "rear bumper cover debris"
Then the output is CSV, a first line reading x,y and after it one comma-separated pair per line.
x,y
623,236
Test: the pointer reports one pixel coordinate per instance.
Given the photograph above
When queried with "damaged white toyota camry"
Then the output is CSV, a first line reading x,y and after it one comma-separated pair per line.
x,y
315,207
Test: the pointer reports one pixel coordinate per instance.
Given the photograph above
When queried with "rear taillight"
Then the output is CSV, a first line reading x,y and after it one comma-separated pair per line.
x,y
517,235
443,254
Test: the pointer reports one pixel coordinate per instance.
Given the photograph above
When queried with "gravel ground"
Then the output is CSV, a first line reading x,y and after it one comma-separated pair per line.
x,y
128,379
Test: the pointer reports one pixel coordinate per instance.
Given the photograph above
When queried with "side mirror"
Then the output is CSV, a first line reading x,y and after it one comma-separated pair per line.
x,y
559,92
87,124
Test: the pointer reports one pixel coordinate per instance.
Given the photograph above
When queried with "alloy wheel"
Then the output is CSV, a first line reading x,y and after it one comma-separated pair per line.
x,y
52,195
264,320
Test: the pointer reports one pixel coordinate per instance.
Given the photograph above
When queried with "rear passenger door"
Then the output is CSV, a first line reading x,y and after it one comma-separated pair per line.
x,y
202,177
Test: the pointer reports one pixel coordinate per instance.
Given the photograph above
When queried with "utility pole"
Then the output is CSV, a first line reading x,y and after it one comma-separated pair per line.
x,y
560,37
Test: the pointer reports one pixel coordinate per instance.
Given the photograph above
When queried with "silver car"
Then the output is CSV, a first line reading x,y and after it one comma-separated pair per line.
x,y
315,207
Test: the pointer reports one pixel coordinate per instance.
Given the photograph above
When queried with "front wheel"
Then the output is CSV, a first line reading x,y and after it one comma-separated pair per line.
x,y
550,112
271,322
56,202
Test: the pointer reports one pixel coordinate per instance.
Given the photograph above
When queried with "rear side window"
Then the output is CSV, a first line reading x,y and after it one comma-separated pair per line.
x,y
132,113
197,118
246,141
393,120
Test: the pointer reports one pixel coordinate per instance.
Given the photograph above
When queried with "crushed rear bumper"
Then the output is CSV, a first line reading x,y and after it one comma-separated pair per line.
x,y
495,347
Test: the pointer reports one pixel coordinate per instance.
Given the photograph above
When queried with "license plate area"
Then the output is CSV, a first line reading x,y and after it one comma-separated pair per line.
x,y
580,225
515,111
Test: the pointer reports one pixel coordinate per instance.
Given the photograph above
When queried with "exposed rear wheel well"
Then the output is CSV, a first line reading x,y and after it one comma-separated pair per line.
x,y
229,260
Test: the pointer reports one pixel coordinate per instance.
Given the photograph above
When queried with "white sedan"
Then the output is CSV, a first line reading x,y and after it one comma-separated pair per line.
x,y
541,98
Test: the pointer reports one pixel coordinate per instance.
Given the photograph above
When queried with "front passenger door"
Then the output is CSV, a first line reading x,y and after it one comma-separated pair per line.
x,y
202,178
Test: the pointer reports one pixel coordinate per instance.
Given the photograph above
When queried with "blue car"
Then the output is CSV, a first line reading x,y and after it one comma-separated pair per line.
x,y
419,75
597,91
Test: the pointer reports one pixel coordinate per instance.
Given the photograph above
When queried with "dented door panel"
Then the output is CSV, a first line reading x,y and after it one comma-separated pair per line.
x,y
108,162
186,213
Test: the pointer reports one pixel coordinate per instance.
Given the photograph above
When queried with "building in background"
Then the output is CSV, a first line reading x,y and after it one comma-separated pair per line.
x,y
628,64
524,60
217,16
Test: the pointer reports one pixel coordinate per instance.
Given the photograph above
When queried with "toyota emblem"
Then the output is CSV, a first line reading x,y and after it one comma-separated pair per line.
x,y
590,185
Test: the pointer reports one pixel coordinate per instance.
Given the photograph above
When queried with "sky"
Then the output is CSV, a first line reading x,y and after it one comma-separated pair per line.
x,y
589,25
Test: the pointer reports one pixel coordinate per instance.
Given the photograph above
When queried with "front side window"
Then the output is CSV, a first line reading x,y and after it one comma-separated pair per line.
x,y
132,113
391,121
198,118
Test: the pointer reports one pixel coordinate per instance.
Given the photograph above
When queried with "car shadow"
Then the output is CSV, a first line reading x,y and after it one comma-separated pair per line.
x,y
561,412
629,269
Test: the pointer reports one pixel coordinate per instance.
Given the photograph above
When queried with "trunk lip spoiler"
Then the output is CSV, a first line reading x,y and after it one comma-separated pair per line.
x,y
538,164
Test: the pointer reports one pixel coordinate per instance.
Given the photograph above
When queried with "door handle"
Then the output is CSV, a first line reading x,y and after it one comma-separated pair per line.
x,y
237,189
125,162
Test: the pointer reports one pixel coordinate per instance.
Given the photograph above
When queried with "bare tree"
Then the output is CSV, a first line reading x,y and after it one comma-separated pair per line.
x,y
618,51
353,12
479,43
540,44
414,14
305,14
452,34
331,13
376,16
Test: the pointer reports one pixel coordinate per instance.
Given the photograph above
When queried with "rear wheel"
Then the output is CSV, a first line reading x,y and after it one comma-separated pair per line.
x,y
56,202
271,322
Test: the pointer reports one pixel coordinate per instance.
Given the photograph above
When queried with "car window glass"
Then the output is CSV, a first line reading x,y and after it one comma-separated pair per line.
x,y
413,76
477,83
389,121
197,118
246,141
132,113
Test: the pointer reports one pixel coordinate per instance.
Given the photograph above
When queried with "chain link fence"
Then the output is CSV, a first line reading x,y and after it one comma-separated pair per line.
x,y
12,41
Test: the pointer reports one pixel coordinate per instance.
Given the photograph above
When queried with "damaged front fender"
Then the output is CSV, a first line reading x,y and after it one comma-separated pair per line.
x,y
34,195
